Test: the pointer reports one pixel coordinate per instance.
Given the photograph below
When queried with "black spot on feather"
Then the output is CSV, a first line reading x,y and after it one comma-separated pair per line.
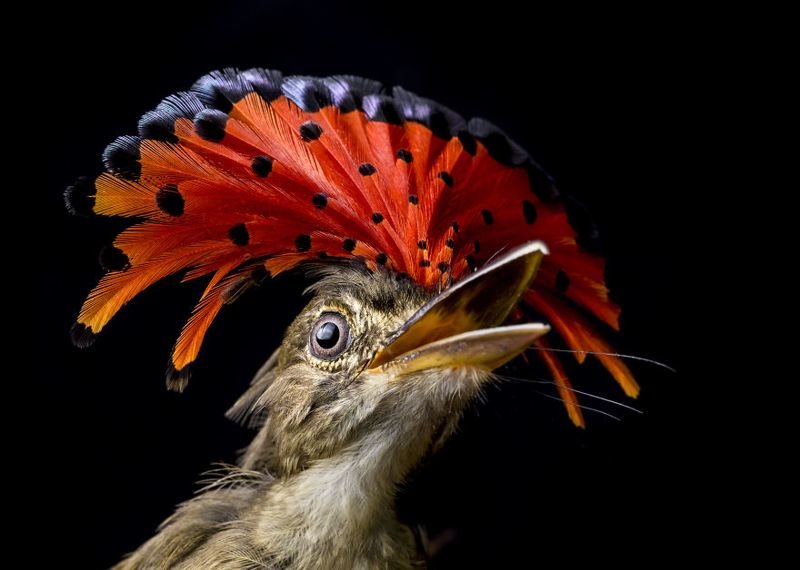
x,y
405,155
366,169
239,235
302,242
319,200
262,166
349,245
169,200
310,131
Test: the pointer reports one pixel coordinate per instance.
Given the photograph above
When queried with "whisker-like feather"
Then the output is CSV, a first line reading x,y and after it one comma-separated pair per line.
x,y
571,389
581,406
617,354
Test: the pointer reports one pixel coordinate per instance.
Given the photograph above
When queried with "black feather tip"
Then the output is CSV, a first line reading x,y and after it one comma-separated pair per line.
x,y
209,124
308,93
382,108
222,89
347,91
79,197
443,122
541,183
500,147
468,142
265,82
113,259
159,124
122,156
177,380
82,336
586,232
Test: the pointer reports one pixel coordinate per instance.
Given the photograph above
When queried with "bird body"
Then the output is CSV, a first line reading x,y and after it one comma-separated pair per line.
x,y
432,242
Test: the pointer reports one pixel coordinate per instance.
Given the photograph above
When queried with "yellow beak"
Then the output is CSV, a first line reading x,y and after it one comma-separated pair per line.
x,y
460,326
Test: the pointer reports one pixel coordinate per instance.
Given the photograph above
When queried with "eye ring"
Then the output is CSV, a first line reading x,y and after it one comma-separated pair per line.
x,y
329,336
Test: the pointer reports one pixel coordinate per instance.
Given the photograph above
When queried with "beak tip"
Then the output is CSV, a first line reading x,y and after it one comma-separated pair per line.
x,y
539,245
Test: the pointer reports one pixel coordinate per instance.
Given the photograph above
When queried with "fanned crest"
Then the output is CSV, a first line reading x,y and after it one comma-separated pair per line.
x,y
249,174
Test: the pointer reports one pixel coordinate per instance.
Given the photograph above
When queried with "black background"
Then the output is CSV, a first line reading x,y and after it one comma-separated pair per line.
x,y
598,98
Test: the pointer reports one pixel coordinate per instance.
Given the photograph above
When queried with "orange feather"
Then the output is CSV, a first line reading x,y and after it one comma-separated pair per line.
x,y
249,172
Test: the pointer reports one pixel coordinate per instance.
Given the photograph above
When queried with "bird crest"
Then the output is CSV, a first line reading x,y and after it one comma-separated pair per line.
x,y
249,174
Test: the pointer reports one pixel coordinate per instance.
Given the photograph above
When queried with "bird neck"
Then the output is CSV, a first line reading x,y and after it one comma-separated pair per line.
x,y
345,500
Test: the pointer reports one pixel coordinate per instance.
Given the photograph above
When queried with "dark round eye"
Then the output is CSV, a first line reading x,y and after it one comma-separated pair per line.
x,y
330,336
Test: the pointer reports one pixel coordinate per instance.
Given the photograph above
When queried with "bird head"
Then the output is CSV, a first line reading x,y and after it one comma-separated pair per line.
x,y
374,356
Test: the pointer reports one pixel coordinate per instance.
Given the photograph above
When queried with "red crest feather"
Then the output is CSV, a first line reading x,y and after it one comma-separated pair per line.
x,y
249,174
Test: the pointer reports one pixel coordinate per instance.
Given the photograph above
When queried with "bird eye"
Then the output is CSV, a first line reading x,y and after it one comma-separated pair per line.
x,y
330,336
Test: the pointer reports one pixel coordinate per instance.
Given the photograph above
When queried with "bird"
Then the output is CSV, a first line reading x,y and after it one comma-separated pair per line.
x,y
438,251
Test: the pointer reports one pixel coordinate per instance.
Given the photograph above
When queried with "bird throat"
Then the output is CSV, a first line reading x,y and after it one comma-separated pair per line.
x,y
340,511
